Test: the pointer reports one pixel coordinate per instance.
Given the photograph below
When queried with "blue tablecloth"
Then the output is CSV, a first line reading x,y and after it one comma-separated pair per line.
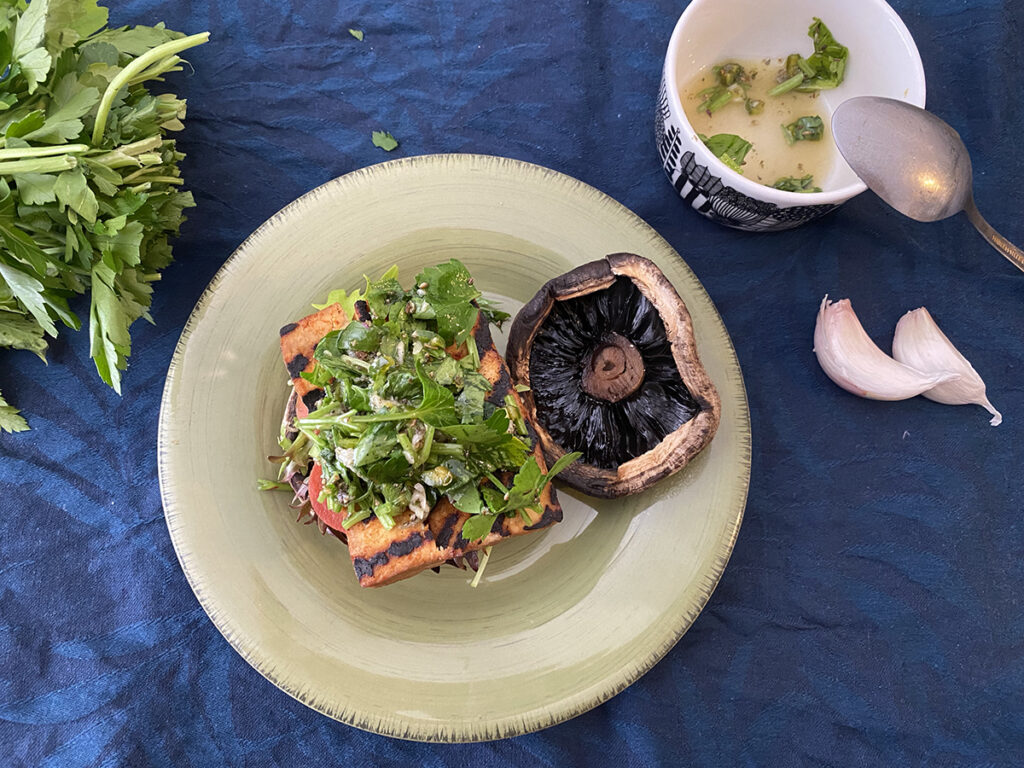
x,y
871,613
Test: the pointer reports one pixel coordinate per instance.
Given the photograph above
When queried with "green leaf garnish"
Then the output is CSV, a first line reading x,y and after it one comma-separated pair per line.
x,y
731,73
822,70
384,140
449,291
478,526
729,148
731,84
563,462
807,128
347,299
794,184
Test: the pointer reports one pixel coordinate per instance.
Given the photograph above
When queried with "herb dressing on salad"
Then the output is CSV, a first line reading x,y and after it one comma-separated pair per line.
x,y
405,419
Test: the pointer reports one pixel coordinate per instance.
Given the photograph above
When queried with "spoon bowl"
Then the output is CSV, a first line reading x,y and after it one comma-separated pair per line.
x,y
914,161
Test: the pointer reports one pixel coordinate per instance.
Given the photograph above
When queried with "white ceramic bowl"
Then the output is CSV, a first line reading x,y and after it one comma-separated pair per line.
x,y
883,61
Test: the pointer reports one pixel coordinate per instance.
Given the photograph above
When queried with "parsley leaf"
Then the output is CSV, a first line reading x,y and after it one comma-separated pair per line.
x,y
729,148
563,462
525,485
450,292
28,291
10,420
33,60
478,526
22,333
347,299
384,140
470,402
467,499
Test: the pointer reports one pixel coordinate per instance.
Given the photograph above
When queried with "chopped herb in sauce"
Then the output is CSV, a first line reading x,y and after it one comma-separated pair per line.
x,y
732,82
794,184
822,70
806,128
729,148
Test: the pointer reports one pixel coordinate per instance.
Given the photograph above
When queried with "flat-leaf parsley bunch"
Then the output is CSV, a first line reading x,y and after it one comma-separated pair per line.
x,y
89,183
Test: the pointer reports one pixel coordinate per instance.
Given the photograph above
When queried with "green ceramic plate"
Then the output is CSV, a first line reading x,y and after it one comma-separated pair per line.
x,y
565,618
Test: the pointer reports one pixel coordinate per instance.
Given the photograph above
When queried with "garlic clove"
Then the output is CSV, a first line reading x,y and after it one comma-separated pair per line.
x,y
919,342
853,361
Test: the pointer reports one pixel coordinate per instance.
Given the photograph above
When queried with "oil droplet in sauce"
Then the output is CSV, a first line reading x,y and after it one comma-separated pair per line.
x,y
771,158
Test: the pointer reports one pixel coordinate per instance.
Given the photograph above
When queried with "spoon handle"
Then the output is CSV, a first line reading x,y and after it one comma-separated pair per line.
x,y
997,241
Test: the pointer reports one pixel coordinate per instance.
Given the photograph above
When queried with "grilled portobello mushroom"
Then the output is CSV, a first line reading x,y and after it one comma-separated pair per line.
x,y
609,357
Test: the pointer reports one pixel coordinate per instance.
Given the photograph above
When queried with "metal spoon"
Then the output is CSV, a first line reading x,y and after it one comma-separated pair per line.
x,y
914,161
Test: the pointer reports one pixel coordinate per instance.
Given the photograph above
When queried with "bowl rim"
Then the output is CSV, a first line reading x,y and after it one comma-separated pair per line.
x,y
737,180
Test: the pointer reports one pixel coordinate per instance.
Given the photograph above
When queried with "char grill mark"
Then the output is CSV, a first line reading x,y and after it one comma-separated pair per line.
x,y
550,516
311,398
362,312
444,536
297,365
365,566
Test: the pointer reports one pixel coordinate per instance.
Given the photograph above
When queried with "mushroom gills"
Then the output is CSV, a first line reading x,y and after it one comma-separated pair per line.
x,y
604,377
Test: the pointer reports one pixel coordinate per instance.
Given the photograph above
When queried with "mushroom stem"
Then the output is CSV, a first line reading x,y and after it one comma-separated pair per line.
x,y
614,369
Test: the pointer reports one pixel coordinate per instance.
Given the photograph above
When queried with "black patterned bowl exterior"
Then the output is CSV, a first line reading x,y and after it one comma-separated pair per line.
x,y
707,193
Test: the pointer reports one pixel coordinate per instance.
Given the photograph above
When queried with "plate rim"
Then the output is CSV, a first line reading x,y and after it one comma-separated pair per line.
x,y
391,725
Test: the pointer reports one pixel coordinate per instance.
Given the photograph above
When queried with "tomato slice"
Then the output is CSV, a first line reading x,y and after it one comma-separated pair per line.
x,y
316,484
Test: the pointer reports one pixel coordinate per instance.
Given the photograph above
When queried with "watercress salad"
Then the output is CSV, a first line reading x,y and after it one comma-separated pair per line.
x,y
405,416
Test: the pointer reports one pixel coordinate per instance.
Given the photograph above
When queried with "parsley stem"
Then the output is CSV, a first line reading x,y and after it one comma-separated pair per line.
x,y
428,443
149,179
126,153
474,353
134,68
18,153
373,418
39,165
480,566
170,64
354,362
446,449
307,424
497,483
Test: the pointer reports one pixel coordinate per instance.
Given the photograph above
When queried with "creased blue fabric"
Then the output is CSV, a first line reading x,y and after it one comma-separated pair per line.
x,y
871,614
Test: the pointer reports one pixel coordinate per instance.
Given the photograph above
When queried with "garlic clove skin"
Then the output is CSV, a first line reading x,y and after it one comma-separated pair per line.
x,y
853,361
919,342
